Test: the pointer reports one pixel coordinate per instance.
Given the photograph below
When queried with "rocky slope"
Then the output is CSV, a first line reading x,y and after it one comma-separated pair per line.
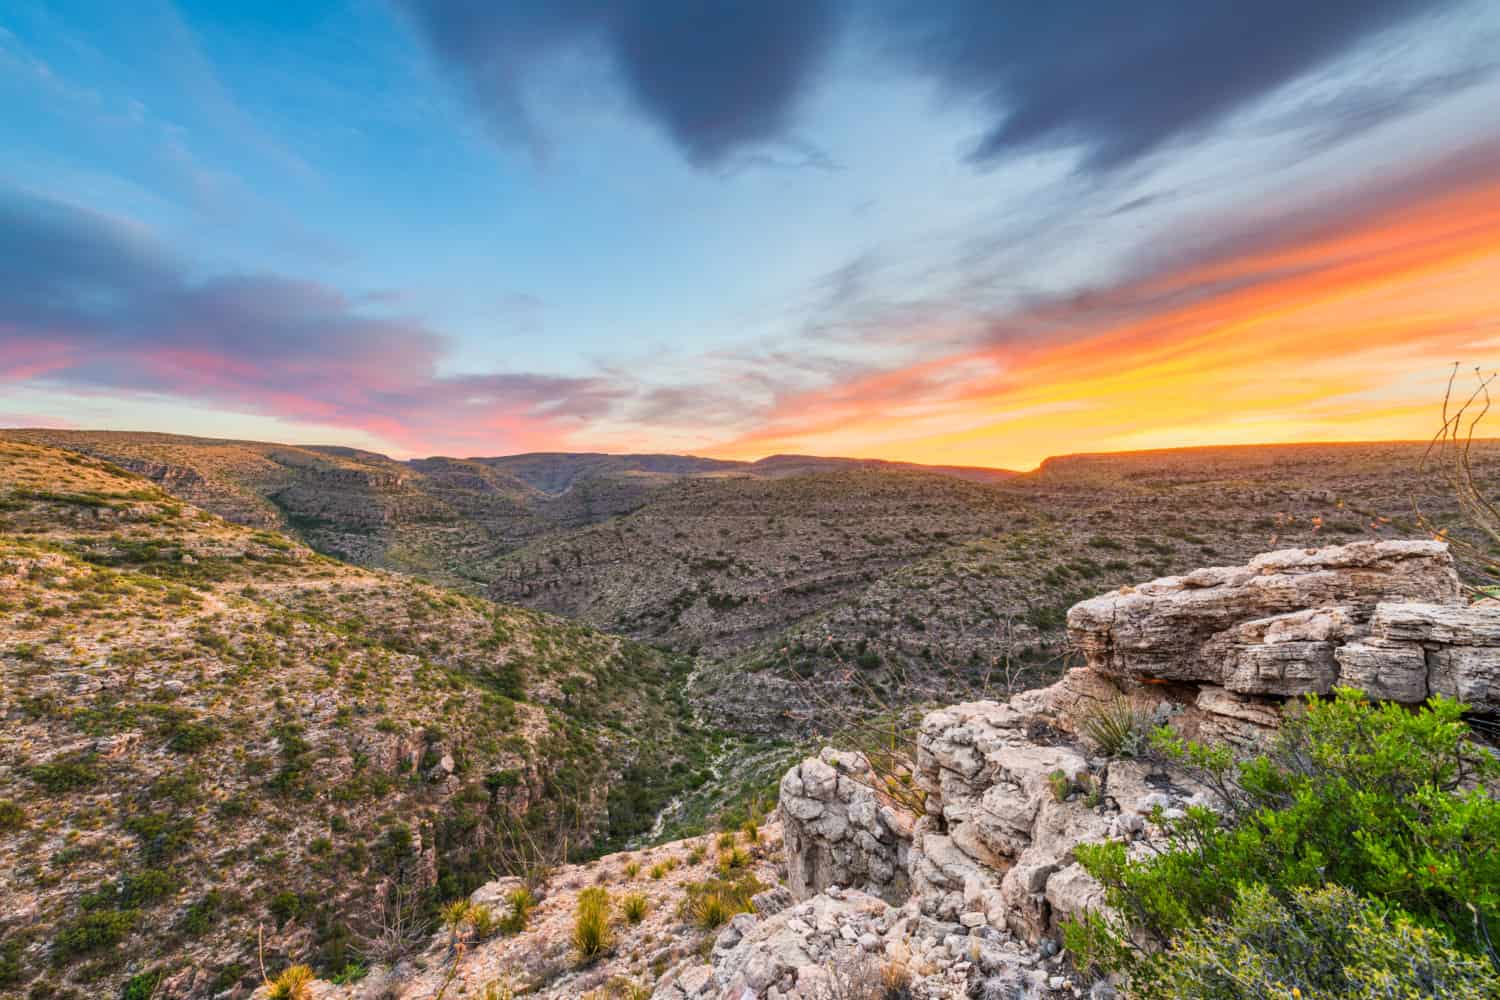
x,y
209,728
794,580
955,884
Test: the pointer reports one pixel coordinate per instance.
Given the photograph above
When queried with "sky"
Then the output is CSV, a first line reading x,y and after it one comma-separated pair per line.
x,y
946,231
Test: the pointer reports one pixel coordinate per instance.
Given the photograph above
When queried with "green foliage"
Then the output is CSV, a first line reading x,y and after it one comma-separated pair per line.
x,y
1114,728
353,972
141,986
92,931
712,903
520,902
633,907
1392,805
1059,783
1324,943
12,816
294,983
592,933
66,774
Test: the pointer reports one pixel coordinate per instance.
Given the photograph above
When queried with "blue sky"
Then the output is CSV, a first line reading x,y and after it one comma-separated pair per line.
x,y
654,224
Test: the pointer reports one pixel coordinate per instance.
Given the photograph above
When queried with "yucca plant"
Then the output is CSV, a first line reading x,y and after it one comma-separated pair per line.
x,y
1115,728
710,910
633,907
294,983
521,903
592,934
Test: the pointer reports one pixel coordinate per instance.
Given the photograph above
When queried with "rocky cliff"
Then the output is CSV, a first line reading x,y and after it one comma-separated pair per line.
x,y
966,895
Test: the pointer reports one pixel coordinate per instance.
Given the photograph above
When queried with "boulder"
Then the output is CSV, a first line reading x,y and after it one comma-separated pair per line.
x,y
1185,627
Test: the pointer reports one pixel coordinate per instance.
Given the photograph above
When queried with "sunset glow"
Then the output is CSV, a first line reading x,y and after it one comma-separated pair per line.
x,y
834,229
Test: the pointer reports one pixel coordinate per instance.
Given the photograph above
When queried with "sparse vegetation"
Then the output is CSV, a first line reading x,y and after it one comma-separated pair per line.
x,y
592,933
1114,728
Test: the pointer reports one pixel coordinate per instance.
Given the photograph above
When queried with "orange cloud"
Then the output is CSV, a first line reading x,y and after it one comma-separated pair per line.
x,y
1342,332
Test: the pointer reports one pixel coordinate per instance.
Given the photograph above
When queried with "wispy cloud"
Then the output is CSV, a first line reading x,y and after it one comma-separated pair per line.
x,y
89,302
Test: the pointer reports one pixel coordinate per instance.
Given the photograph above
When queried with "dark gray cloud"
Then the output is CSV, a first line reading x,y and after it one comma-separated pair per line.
x,y
1120,80
718,76
1115,80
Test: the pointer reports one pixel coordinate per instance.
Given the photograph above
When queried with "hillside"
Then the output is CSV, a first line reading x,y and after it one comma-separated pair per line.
x,y
899,581
211,728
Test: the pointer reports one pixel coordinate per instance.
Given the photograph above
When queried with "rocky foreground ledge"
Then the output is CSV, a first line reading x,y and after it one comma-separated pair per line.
x,y
965,896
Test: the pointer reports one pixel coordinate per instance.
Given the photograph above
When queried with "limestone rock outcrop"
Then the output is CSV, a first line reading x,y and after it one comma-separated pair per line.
x,y
839,833
1299,621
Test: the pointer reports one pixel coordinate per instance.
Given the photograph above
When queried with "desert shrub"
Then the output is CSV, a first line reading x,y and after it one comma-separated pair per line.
x,y
592,933
710,910
482,921
732,859
520,903
455,917
92,931
352,972
657,871
66,774
1393,805
141,986
632,869
712,903
1115,728
12,816
633,907
294,983
726,840
1326,943
751,829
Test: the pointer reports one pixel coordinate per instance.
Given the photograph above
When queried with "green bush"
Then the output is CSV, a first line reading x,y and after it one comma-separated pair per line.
x,y
92,931
1326,943
633,907
1114,728
592,933
1390,804
141,986
67,774
12,816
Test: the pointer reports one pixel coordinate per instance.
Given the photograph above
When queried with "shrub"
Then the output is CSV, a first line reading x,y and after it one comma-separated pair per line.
x,y
1326,943
294,983
731,859
657,871
12,816
710,904
352,972
455,917
141,986
726,840
482,921
92,931
521,902
632,869
1114,728
1387,803
592,934
710,910
751,830
633,907
67,774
